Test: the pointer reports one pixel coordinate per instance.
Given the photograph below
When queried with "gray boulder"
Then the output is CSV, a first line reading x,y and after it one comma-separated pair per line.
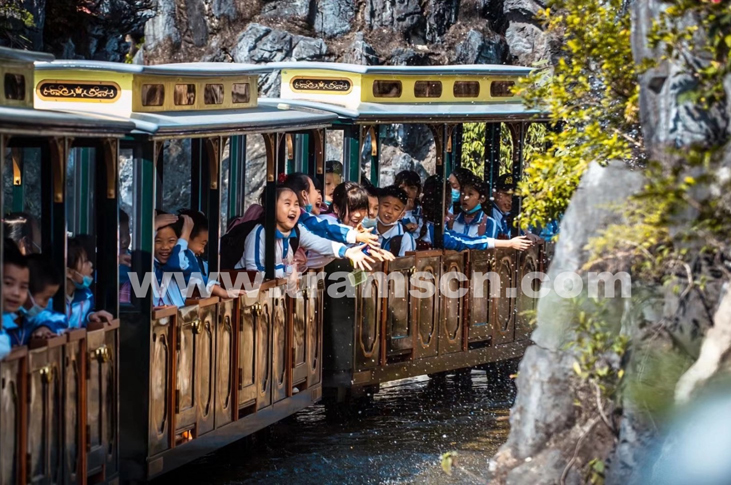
x,y
477,48
163,26
528,43
334,17
197,26
360,52
403,16
289,10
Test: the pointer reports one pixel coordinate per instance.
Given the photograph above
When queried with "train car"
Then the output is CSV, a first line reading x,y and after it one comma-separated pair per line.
x,y
380,334
52,389
197,376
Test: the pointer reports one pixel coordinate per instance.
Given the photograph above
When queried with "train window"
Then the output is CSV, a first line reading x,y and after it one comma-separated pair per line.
x,y
428,89
466,89
501,89
213,94
176,176
22,189
80,190
14,86
225,181
240,93
387,89
184,94
153,94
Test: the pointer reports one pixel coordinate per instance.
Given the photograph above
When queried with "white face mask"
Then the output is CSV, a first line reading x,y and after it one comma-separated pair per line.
x,y
367,222
378,218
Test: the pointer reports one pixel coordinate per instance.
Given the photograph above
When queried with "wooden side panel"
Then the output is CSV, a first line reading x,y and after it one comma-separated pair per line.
x,y
504,305
452,305
528,262
161,380
368,323
264,351
315,314
247,352
300,333
13,399
188,327
74,384
399,328
225,339
45,436
428,269
205,348
480,303
280,347
102,411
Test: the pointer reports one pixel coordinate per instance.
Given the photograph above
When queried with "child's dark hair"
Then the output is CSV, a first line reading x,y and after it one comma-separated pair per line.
x,y
430,199
200,221
298,182
12,255
21,228
334,166
348,197
317,183
462,175
408,178
394,191
176,226
123,217
42,274
75,252
372,190
479,185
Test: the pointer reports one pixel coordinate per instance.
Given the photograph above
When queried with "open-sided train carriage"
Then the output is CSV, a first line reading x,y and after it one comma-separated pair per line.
x,y
58,418
385,336
198,377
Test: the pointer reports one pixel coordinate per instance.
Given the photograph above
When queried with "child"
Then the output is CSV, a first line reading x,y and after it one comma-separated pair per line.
x,y
197,245
455,180
79,298
172,255
287,213
125,258
350,204
391,233
452,240
38,308
324,227
472,220
410,182
333,178
370,220
15,291
503,204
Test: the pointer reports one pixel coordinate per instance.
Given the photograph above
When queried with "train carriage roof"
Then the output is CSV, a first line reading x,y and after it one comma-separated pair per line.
x,y
268,116
31,122
183,69
402,94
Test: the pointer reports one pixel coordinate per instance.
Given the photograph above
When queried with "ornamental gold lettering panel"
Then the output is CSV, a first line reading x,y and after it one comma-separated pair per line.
x,y
101,91
321,84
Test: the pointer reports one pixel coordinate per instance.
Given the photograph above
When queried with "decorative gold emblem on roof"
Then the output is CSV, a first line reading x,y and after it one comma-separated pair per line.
x,y
72,90
315,84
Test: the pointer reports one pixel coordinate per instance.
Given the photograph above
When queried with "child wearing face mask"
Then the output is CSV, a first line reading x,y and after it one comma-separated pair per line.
x,y
472,220
79,297
44,284
15,291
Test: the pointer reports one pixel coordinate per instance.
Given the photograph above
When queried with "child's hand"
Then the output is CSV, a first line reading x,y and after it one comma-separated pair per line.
x,y
43,333
359,258
162,220
187,228
412,226
534,239
521,243
382,254
366,236
125,259
101,316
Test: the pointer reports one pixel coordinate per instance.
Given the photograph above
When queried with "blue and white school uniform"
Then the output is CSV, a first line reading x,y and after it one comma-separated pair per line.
x,y
78,307
458,242
16,329
54,321
178,262
407,239
413,217
474,227
4,340
501,222
327,227
255,249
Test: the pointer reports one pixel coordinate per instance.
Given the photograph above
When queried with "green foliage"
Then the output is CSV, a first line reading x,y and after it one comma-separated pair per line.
x,y
591,94
13,19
